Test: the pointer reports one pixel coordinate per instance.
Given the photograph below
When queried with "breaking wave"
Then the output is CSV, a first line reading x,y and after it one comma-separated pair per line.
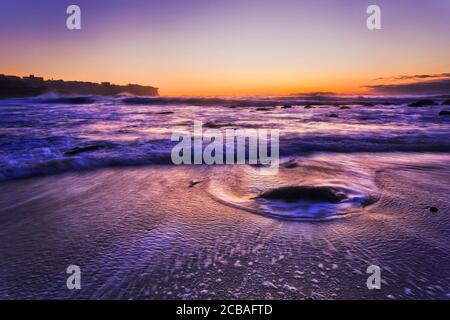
x,y
53,133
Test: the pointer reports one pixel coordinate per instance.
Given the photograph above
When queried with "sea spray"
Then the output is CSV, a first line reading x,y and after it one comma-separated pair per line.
x,y
229,148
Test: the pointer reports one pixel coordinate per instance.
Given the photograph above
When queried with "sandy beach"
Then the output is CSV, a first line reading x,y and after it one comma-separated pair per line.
x,y
149,233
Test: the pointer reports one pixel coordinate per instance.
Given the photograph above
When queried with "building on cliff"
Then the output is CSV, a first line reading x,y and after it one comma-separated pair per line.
x,y
16,87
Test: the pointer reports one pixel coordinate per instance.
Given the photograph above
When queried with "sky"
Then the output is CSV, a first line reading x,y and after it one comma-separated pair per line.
x,y
231,47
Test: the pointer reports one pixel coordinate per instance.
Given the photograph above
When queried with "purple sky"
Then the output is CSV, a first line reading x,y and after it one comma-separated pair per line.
x,y
227,46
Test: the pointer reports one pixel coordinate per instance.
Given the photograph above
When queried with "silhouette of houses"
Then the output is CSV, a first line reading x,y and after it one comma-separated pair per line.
x,y
13,86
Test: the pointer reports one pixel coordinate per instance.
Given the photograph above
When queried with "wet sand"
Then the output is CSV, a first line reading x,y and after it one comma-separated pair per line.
x,y
150,233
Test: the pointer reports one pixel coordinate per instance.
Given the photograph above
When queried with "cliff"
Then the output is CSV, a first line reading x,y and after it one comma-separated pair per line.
x,y
16,87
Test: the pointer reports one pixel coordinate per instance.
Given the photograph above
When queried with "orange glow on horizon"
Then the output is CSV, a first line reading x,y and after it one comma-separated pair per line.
x,y
219,87
234,48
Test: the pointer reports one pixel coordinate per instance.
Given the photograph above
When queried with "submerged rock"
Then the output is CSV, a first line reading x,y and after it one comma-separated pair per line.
x,y
286,107
308,107
421,103
344,108
434,209
333,115
214,124
264,108
193,183
291,164
446,102
298,193
77,150
444,113
165,112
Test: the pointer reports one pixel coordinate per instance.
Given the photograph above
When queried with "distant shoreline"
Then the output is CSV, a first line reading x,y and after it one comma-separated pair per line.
x,y
17,87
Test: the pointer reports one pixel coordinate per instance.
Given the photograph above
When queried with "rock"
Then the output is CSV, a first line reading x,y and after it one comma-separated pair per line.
x,y
308,107
264,108
356,272
165,112
193,183
333,115
269,285
215,125
78,150
444,113
297,193
286,107
291,164
421,103
344,108
446,102
434,209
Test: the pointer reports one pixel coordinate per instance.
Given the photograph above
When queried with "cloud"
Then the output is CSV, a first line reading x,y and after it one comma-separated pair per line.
x,y
439,86
415,77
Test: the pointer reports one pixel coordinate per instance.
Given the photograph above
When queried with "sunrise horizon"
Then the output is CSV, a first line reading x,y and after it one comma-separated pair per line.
x,y
207,49
370,87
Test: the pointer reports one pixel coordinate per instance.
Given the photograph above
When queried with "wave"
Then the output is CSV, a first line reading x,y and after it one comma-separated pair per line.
x,y
266,101
250,101
77,164
66,100
56,133
56,154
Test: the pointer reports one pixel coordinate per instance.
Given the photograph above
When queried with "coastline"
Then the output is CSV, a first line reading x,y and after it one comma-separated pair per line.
x,y
31,86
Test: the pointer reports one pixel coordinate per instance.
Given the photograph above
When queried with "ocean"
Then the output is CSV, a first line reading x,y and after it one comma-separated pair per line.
x,y
89,181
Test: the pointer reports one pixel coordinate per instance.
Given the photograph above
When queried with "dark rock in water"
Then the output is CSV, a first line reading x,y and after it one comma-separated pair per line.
x,y
421,103
192,183
444,113
434,209
297,193
78,150
264,108
165,112
308,107
286,107
333,115
371,199
290,164
344,108
259,165
215,125
446,102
